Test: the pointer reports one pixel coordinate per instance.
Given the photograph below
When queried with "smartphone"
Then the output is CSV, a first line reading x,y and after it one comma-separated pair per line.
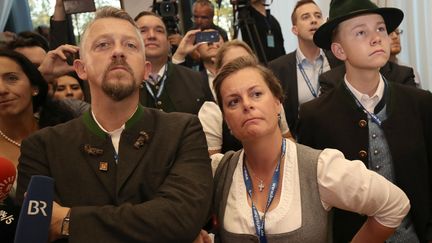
x,y
70,57
207,36
78,6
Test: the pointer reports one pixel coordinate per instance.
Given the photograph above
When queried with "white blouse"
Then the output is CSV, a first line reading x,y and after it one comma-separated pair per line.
x,y
342,183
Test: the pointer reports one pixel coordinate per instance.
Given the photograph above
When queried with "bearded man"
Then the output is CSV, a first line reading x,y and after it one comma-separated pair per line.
x,y
123,173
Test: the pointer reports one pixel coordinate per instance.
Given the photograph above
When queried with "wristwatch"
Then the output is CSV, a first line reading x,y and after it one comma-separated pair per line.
x,y
65,225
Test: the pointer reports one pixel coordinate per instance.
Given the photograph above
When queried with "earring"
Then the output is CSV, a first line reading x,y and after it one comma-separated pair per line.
x,y
279,120
35,92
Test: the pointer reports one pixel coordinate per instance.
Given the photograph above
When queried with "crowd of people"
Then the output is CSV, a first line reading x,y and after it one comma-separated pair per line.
x,y
214,142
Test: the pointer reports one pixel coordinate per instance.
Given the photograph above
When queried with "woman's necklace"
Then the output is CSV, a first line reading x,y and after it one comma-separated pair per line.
x,y
10,140
261,185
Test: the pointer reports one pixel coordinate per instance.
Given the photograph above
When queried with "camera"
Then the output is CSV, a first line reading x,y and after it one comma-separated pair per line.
x,y
168,10
78,6
241,2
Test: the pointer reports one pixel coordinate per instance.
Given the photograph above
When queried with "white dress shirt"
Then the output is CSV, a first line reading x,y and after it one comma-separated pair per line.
x,y
312,70
368,102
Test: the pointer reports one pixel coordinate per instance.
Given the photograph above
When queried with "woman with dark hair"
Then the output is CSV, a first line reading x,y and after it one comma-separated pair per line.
x,y
68,86
275,190
24,104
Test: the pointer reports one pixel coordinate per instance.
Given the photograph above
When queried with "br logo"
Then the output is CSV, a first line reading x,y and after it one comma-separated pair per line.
x,y
36,207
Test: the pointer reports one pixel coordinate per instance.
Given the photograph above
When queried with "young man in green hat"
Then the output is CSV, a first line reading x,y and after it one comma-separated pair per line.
x,y
384,124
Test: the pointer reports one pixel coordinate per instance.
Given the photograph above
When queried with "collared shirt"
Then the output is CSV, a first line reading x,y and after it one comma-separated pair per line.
x,y
312,70
115,134
160,75
368,102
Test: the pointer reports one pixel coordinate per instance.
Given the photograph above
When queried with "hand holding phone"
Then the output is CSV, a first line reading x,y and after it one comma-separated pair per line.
x,y
207,36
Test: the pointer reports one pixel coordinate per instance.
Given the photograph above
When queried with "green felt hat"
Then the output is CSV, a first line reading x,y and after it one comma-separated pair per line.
x,y
341,10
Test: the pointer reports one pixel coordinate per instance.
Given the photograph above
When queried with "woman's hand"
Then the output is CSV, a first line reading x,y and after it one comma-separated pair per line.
x,y
203,237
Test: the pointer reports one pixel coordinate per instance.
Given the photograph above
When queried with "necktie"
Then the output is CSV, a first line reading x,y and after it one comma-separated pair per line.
x,y
154,78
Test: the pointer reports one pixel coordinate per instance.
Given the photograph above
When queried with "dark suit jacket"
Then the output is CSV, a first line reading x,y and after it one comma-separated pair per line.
x,y
160,191
334,121
391,71
184,87
285,69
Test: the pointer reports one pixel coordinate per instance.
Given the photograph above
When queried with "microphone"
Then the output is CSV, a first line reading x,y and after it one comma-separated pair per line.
x,y
8,210
7,177
36,211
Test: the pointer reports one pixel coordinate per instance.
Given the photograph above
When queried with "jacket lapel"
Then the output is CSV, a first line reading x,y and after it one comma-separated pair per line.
x,y
134,142
175,89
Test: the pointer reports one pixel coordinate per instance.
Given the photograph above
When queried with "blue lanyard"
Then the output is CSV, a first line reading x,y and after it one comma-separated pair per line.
x,y
307,80
372,116
260,222
161,87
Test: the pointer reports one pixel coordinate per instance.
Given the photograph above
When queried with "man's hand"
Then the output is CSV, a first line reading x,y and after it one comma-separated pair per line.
x,y
55,63
58,214
186,46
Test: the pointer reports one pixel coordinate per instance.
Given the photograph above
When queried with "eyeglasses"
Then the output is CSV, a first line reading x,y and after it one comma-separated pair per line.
x,y
196,17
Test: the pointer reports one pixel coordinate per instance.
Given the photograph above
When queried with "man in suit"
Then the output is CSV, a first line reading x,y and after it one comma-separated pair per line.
x,y
393,72
125,173
170,87
299,70
396,48
369,118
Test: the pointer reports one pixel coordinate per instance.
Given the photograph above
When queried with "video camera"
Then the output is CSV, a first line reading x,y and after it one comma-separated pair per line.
x,y
240,3
168,10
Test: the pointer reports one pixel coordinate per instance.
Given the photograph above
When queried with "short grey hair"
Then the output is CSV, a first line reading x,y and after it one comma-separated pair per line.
x,y
109,12
204,3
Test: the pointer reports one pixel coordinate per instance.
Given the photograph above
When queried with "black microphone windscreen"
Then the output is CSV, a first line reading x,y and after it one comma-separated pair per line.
x,y
35,217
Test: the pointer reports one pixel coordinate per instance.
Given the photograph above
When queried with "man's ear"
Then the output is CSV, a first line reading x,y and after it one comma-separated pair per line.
x,y
294,30
80,69
338,51
148,68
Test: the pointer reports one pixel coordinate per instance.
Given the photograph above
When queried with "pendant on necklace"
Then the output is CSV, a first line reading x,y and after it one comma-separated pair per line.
x,y
261,186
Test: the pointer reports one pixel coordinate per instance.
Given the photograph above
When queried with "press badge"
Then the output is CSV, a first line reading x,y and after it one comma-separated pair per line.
x,y
270,40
